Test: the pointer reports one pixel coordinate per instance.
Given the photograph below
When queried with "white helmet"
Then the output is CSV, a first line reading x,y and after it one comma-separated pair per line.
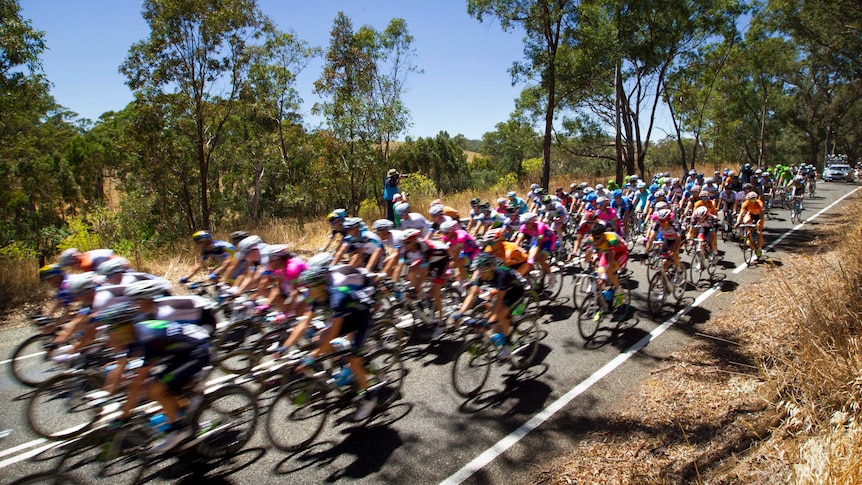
x,y
448,226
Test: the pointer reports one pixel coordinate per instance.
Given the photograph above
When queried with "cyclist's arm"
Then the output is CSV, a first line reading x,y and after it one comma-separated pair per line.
x,y
112,382
198,265
141,376
374,258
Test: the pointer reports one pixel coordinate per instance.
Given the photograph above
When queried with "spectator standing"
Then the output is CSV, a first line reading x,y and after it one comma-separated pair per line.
x,y
390,188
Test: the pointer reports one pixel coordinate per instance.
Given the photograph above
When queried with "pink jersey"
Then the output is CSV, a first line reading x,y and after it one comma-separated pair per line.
x,y
290,273
540,231
469,247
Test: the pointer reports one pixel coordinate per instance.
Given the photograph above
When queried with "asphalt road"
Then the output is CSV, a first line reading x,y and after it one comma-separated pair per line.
x,y
519,423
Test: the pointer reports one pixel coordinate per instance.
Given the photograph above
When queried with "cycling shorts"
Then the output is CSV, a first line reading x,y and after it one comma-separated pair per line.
x,y
669,245
180,369
437,271
357,323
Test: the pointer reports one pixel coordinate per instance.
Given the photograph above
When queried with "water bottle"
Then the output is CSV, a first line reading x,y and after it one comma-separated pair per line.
x,y
343,376
498,339
608,294
160,422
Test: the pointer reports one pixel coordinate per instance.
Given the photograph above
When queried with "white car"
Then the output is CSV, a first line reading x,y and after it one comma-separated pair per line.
x,y
839,172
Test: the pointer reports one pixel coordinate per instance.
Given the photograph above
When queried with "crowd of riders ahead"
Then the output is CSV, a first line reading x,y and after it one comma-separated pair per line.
x,y
496,243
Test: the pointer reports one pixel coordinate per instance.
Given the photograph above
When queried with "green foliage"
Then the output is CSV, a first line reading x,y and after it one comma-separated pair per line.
x,y
83,236
508,182
418,185
16,250
439,158
532,168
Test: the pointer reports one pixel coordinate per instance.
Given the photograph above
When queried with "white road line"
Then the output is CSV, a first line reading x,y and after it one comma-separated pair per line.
x,y
23,357
507,442
24,446
29,454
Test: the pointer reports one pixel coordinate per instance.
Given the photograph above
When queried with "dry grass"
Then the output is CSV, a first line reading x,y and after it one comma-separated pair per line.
x,y
19,283
774,398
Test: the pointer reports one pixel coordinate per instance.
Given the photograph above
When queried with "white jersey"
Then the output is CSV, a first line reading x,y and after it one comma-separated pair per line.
x,y
415,220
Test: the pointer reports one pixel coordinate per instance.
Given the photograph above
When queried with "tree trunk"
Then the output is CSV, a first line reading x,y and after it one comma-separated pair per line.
x,y
619,136
203,168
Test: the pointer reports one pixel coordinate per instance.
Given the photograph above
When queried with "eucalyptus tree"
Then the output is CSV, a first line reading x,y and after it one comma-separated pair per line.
x,y
198,53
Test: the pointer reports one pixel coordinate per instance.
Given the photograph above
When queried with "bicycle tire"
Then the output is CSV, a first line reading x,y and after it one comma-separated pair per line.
x,y
60,409
657,294
87,458
589,308
678,290
32,370
385,334
697,266
298,414
243,334
385,374
711,265
555,290
216,422
747,253
582,286
239,362
472,366
524,341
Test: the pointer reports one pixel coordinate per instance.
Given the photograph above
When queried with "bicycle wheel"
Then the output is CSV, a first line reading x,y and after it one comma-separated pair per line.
x,y
747,253
711,259
239,362
30,365
385,374
65,406
117,455
243,334
524,342
559,273
472,365
678,290
590,315
298,414
527,307
657,293
695,269
583,286
385,334
225,421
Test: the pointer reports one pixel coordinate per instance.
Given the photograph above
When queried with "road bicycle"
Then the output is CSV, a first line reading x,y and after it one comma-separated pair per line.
x,y
594,308
480,352
30,363
796,209
749,242
302,407
703,258
666,280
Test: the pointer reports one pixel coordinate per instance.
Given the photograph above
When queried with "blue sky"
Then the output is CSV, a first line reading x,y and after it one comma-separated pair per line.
x,y
465,87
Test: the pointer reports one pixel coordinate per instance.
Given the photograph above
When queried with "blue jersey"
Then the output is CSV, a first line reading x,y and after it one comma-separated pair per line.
x,y
157,339
218,250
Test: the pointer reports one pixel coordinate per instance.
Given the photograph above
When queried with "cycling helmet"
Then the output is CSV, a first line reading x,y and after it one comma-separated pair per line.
x,y
591,215
237,236
748,186
485,206
538,191
201,236
448,226
700,212
277,251
674,181
704,194
692,172
583,185
528,217
411,235
69,257
667,174
661,205
588,190
336,215
113,266
315,276
320,260
502,200
633,178
118,314
661,181
758,172
484,261
695,189
708,180
352,222
511,210
546,199
598,229
50,271
612,185
767,174
475,201
558,189
534,186
751,195
80,283
660,193
248,244
146,289
602,200
599,186
402,208
617,193
573,186
511,194
664,215
494,235
641,184
590,197
382,225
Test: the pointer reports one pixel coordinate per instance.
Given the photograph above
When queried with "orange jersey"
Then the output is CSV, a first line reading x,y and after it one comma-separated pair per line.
x,y
752,206
710,206
510,253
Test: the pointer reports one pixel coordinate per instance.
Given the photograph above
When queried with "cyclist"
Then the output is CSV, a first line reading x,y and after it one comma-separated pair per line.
x,y
251,254
336,219
55,278
751,212
517,202
512,255
613,255
412,220
345,293
555,215
424,259
542,240
118,271
173,354
462,248
797,188
282,272
564,197
707,221
363,247
438,216
623,207
391,239
671,241
210,248
72,259
509,288
474,214
487,219
82,289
